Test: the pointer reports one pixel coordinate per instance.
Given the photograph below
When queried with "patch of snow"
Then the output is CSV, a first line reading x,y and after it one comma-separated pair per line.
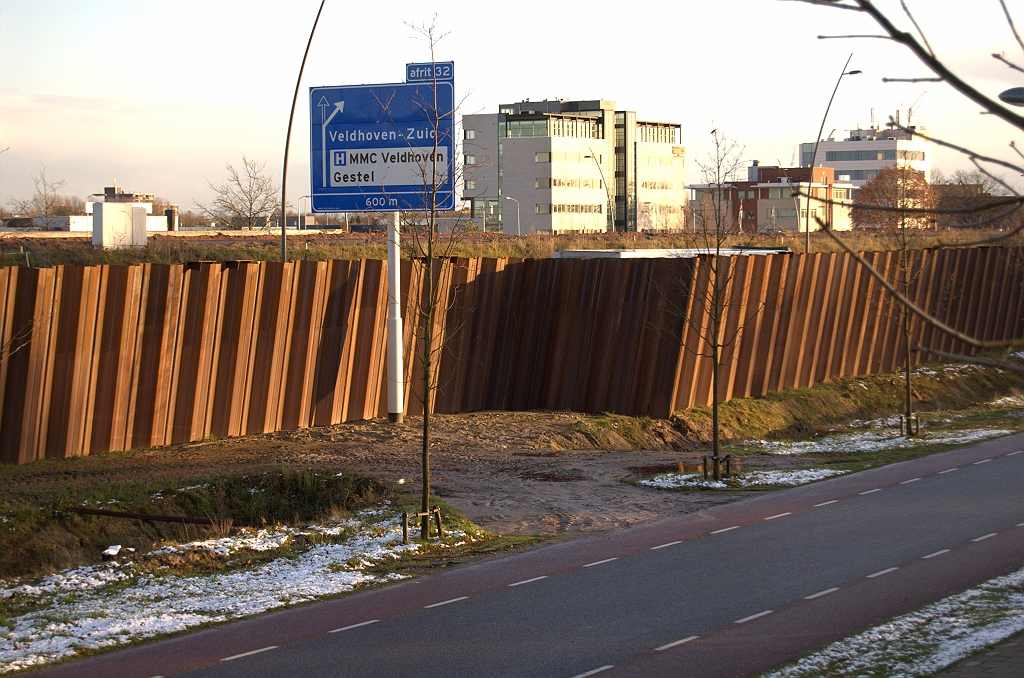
x,y
1009,401
114,603
671,481
875,442
925,641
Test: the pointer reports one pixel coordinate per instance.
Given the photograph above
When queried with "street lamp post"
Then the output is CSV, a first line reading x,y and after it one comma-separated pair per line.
x,y
302,215
814,155
519,226
607,189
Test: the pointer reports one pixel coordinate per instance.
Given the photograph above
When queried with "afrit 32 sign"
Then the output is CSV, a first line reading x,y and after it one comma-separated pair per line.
x,y
384,148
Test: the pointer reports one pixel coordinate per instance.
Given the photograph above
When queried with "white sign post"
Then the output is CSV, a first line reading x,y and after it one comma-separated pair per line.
x,y
396,373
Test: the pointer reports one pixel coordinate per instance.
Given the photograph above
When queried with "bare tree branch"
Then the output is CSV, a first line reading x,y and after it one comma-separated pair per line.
x,y
1013,28
911,79
923,54
1000,57
993,177
924,38
966,151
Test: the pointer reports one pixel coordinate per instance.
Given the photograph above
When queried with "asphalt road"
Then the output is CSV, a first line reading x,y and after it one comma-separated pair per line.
x,y
733,591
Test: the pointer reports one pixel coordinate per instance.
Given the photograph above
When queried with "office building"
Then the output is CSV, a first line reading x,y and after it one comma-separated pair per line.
x,y
572,166
864,152
765,202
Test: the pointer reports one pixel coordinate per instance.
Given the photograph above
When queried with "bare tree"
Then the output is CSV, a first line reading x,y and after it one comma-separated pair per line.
x,y
46,203
434,247
913,38
713,288
247,198
900,187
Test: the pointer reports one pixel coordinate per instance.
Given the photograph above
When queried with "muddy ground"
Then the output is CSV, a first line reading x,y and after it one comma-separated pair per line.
x,y
511,473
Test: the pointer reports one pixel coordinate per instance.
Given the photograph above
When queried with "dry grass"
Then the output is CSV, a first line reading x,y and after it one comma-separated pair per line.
x,y
177,249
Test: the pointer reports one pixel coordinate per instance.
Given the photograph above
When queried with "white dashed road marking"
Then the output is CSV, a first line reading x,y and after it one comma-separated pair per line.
x,y
877,489
678,642
527,581
600,562
912,480
726,529
251,652
949,470
661,546
932,555
779,515
1013,453
826,503
985,536
445,602
881,572
590,673
819,594
981,462
753,616
353,626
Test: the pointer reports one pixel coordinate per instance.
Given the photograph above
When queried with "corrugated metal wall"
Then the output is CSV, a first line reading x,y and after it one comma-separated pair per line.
x,y
114,357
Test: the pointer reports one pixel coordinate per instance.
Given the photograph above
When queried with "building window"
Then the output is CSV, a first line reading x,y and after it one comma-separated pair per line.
x,y
542,208
470,134
750,214
470,185
470,159
542,182
785,214
542,157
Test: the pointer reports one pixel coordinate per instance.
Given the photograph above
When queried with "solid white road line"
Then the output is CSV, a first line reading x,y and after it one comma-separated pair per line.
x,y
787,513
661,546
912,480
445,602
881,572
986,536
726,529
753,616
826,503
678,642
353,626
246,654
877,489
527,581
949,470
600,562
981,462
819,594
932,555
590,673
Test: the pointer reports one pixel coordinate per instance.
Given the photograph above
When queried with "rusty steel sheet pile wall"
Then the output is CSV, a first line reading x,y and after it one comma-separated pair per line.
x,y
106,358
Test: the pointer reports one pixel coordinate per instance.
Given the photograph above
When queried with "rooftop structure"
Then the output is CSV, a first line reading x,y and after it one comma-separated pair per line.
x,y
572,166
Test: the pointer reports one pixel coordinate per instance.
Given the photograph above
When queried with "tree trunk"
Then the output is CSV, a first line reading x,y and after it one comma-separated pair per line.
x,y
428,335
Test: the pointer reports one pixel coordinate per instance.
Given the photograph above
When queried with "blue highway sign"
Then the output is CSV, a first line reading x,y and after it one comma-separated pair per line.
x,y
372,147
442,71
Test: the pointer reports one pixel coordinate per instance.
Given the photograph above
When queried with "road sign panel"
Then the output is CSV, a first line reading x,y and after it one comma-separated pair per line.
x,y
441,71
372,147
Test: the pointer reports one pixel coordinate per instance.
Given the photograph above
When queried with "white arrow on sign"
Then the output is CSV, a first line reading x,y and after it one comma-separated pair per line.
x,y
339,107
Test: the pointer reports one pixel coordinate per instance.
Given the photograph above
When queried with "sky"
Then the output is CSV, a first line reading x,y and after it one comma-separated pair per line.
x,y
161,94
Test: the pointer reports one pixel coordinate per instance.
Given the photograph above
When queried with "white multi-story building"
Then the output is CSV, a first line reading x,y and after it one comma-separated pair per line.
x,y
866,151
572,166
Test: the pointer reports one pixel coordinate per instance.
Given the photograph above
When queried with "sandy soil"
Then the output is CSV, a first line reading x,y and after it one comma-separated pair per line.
x,y
511,473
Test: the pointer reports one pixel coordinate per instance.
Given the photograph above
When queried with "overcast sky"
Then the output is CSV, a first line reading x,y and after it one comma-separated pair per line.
x,y
161,94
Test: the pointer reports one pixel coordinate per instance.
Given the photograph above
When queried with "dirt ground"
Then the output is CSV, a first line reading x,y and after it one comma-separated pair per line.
x,y
509,472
